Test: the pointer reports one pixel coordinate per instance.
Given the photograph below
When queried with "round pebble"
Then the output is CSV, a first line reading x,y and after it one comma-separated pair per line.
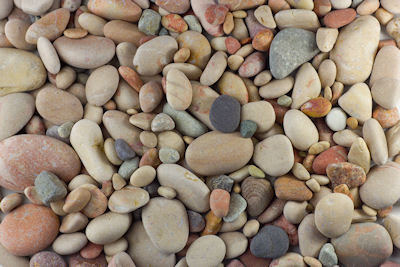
x,y
270,242
225,114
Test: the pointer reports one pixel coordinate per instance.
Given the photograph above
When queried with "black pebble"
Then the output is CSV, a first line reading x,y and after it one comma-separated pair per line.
x,y
225,114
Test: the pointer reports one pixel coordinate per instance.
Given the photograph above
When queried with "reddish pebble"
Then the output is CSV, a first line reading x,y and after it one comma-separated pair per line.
x,y
235,263
262,40
386,117
146,39
47,258
150,157
175,23
28,229
77,261
174,6
334,154
339,18
232,45
219,202
389,264
252,65
289,228
322,7
196,221
249,259
280,111
91,251
215,14
131,77
383,43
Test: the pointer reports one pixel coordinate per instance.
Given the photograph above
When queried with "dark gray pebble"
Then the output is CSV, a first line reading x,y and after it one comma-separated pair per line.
x,y
270,242
225,114
123,149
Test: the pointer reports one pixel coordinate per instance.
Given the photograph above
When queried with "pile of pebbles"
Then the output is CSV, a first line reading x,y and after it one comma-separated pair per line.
x,y
199,133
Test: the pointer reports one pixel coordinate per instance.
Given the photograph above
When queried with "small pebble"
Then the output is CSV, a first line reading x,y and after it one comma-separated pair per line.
x,y
225,114
256,172
168,155
222,182
327,255
247,128
124,151
162,122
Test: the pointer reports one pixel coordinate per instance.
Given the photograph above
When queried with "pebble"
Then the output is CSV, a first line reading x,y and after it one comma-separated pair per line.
x,y
264,16
350,72
336,119
121,259
119,10
310,239
223,156
236,244
300,129
250,110
149,22
316,107
98,202
123,150
258,194
237,206
288,259
207,250
168,155
178,90
49,187
193,23
76,260
143,176
292,46
38,222
326,38
346,173
66,244
333,214
73,222
294,211
327,255
6,9
174,6
297,18
214,68
334,154
390,6
376,244
221,182
307,85
200,49
276,88
128,167
46,258
339,18
232,85
98,93
289,188
386,117
375,138
357,102
128,199
270,242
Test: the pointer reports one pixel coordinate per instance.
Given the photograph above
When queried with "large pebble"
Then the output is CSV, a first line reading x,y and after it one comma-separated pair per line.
x,y
300,129
217,153
66,244
178,90
79,53
6,8
108,227
15,112
307,85
166,224
357,102
345,173
382,188
119,9
39,223
49,55
236,244
274,155
101,85
289,49
200,49
334,154
310,239
207,250
15,31
270,242
58,106
25,156
199,8
128,199
143,251
190,189
152,56
122,31
375,138
87,140
333,214
364,244
287,187
358,40
20,71
232,85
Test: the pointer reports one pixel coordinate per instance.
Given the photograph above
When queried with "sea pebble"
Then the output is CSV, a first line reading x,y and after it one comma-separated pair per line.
x,y
270,242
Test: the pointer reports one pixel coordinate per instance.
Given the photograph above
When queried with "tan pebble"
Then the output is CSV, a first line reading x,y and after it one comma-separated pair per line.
x,y
80,180
10,202
66,244
235,61
321,179
75,33
49,55
328,93
300,172
93,113
57,207
78,90
143,176
251,228
132,111
263,78
111,153
107,188
31,194
229,24
97,204
295,211
101,85
65,77
319,147
82,78
236,244
236,188
313,185
116,247
128,199
166,192
299,18
383,16
178,90
171,139
110,105
352,122
369,211
375,138
264,16
312,262
73,222
117,181
245,50
355,196
92,23
308,161
239,14
319,58
359,216
148,139
125,53
188,139
327,73
240,31
240,174
182,55
337,91
367,7
76,200
252,90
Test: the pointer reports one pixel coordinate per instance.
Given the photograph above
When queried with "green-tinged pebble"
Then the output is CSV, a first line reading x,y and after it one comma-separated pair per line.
x,y
247,128
256,172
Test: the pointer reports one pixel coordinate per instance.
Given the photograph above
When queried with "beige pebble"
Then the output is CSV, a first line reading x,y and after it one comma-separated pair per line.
x,y
298,18
65,77
178,90
313,185
262,78
251,110
182,55
307,85
214,69
276,88
207,250
15,31
368,210
367,7
240,174
245,50
235,225
240,29
188,140
116,247
67,244
328,93
148,139
143,176
167,192
192,72
375,138
321,179
79,180
312,262
327,73
76,200
73,222
10,202
251,228
126,97
56,207
318,147
340,4
111,153
118,181
318,59
300,172
235,61
345,137
236,244
125,52
229,24
295,211
92,23
264,16
78,90
171,139
239,14
383,16
101,85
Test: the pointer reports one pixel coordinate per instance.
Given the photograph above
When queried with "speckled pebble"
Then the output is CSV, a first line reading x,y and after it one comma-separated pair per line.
x,y
49,187
162,122
327,255
248,128
46,259
193,23
149,22
168,155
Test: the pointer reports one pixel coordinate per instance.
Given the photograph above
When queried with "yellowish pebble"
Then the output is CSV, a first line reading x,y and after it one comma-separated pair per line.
x,y
313,185
352,122
239,14
166,192
319,147
117,181
256,172
369,211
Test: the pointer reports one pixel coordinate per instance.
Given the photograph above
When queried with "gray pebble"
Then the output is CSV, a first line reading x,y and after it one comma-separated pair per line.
x,y
124,150
49,187
185,123
149,22
248,128
270,242
65,129
128,167
236,206
53,132
152,188
355,3
163,31
162,122
284,101
193,23
225,114
221,182
196,221
327,255
168,155
290,48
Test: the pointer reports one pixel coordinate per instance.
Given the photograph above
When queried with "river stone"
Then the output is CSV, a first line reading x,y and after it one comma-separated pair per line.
x,y
101,85
357,102
203,97
217,153
166,224
310,239
300,129
152,56
237,206
117,9
333,214
270,242
149,22
225,114
190,189
358,40
143,251
207,250
251,111
128,167
123,150
382,188
274,155
327,255
290,48
6,8
200,49
365,244
23,157
15,112
45,258
128,199
178,90
236,244
307,85
79,53
49,187
20,71
375,138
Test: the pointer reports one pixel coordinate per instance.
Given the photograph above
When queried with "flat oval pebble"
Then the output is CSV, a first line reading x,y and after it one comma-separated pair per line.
x,y
288,187
66,244
38,222
207,250
270,242
166,223
232,85
178,90
128,199
203,98
225,114
40,153
121,31
101,85
119,9
44,258
217,153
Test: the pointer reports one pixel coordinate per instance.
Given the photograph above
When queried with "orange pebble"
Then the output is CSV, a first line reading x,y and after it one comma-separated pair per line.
x,y
75,33
174,22
386,117
213,224
262,40
150,157
308,162
219,202
316,107
131,77
91,251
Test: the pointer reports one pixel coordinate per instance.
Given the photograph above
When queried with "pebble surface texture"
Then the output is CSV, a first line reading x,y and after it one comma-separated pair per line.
x,y
199,133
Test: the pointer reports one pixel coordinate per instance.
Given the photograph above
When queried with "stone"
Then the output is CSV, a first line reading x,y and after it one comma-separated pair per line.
x,y
289,258
236,244
264,16
123,150
199,7
45,258
274,155
196,221
258,194
128,167
101,85
385,92
49,187
289,188
232,85
270,242
316,107
333,214
307,85
200,49
121,259
375,138
250,110
326,38
178,90
149,22
359,154
386,117
76,200
310,239
336,119
66,244
15,31
225,114
289,49
346,173
247,128
168,155
166,224
357,102
348,46
6,8
390,6
276,88
193,23
207,250
128,199
375,249
22,78
297,18
237,206
339,18
128,11
216,153
221,182
327,255
38,222
219,202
